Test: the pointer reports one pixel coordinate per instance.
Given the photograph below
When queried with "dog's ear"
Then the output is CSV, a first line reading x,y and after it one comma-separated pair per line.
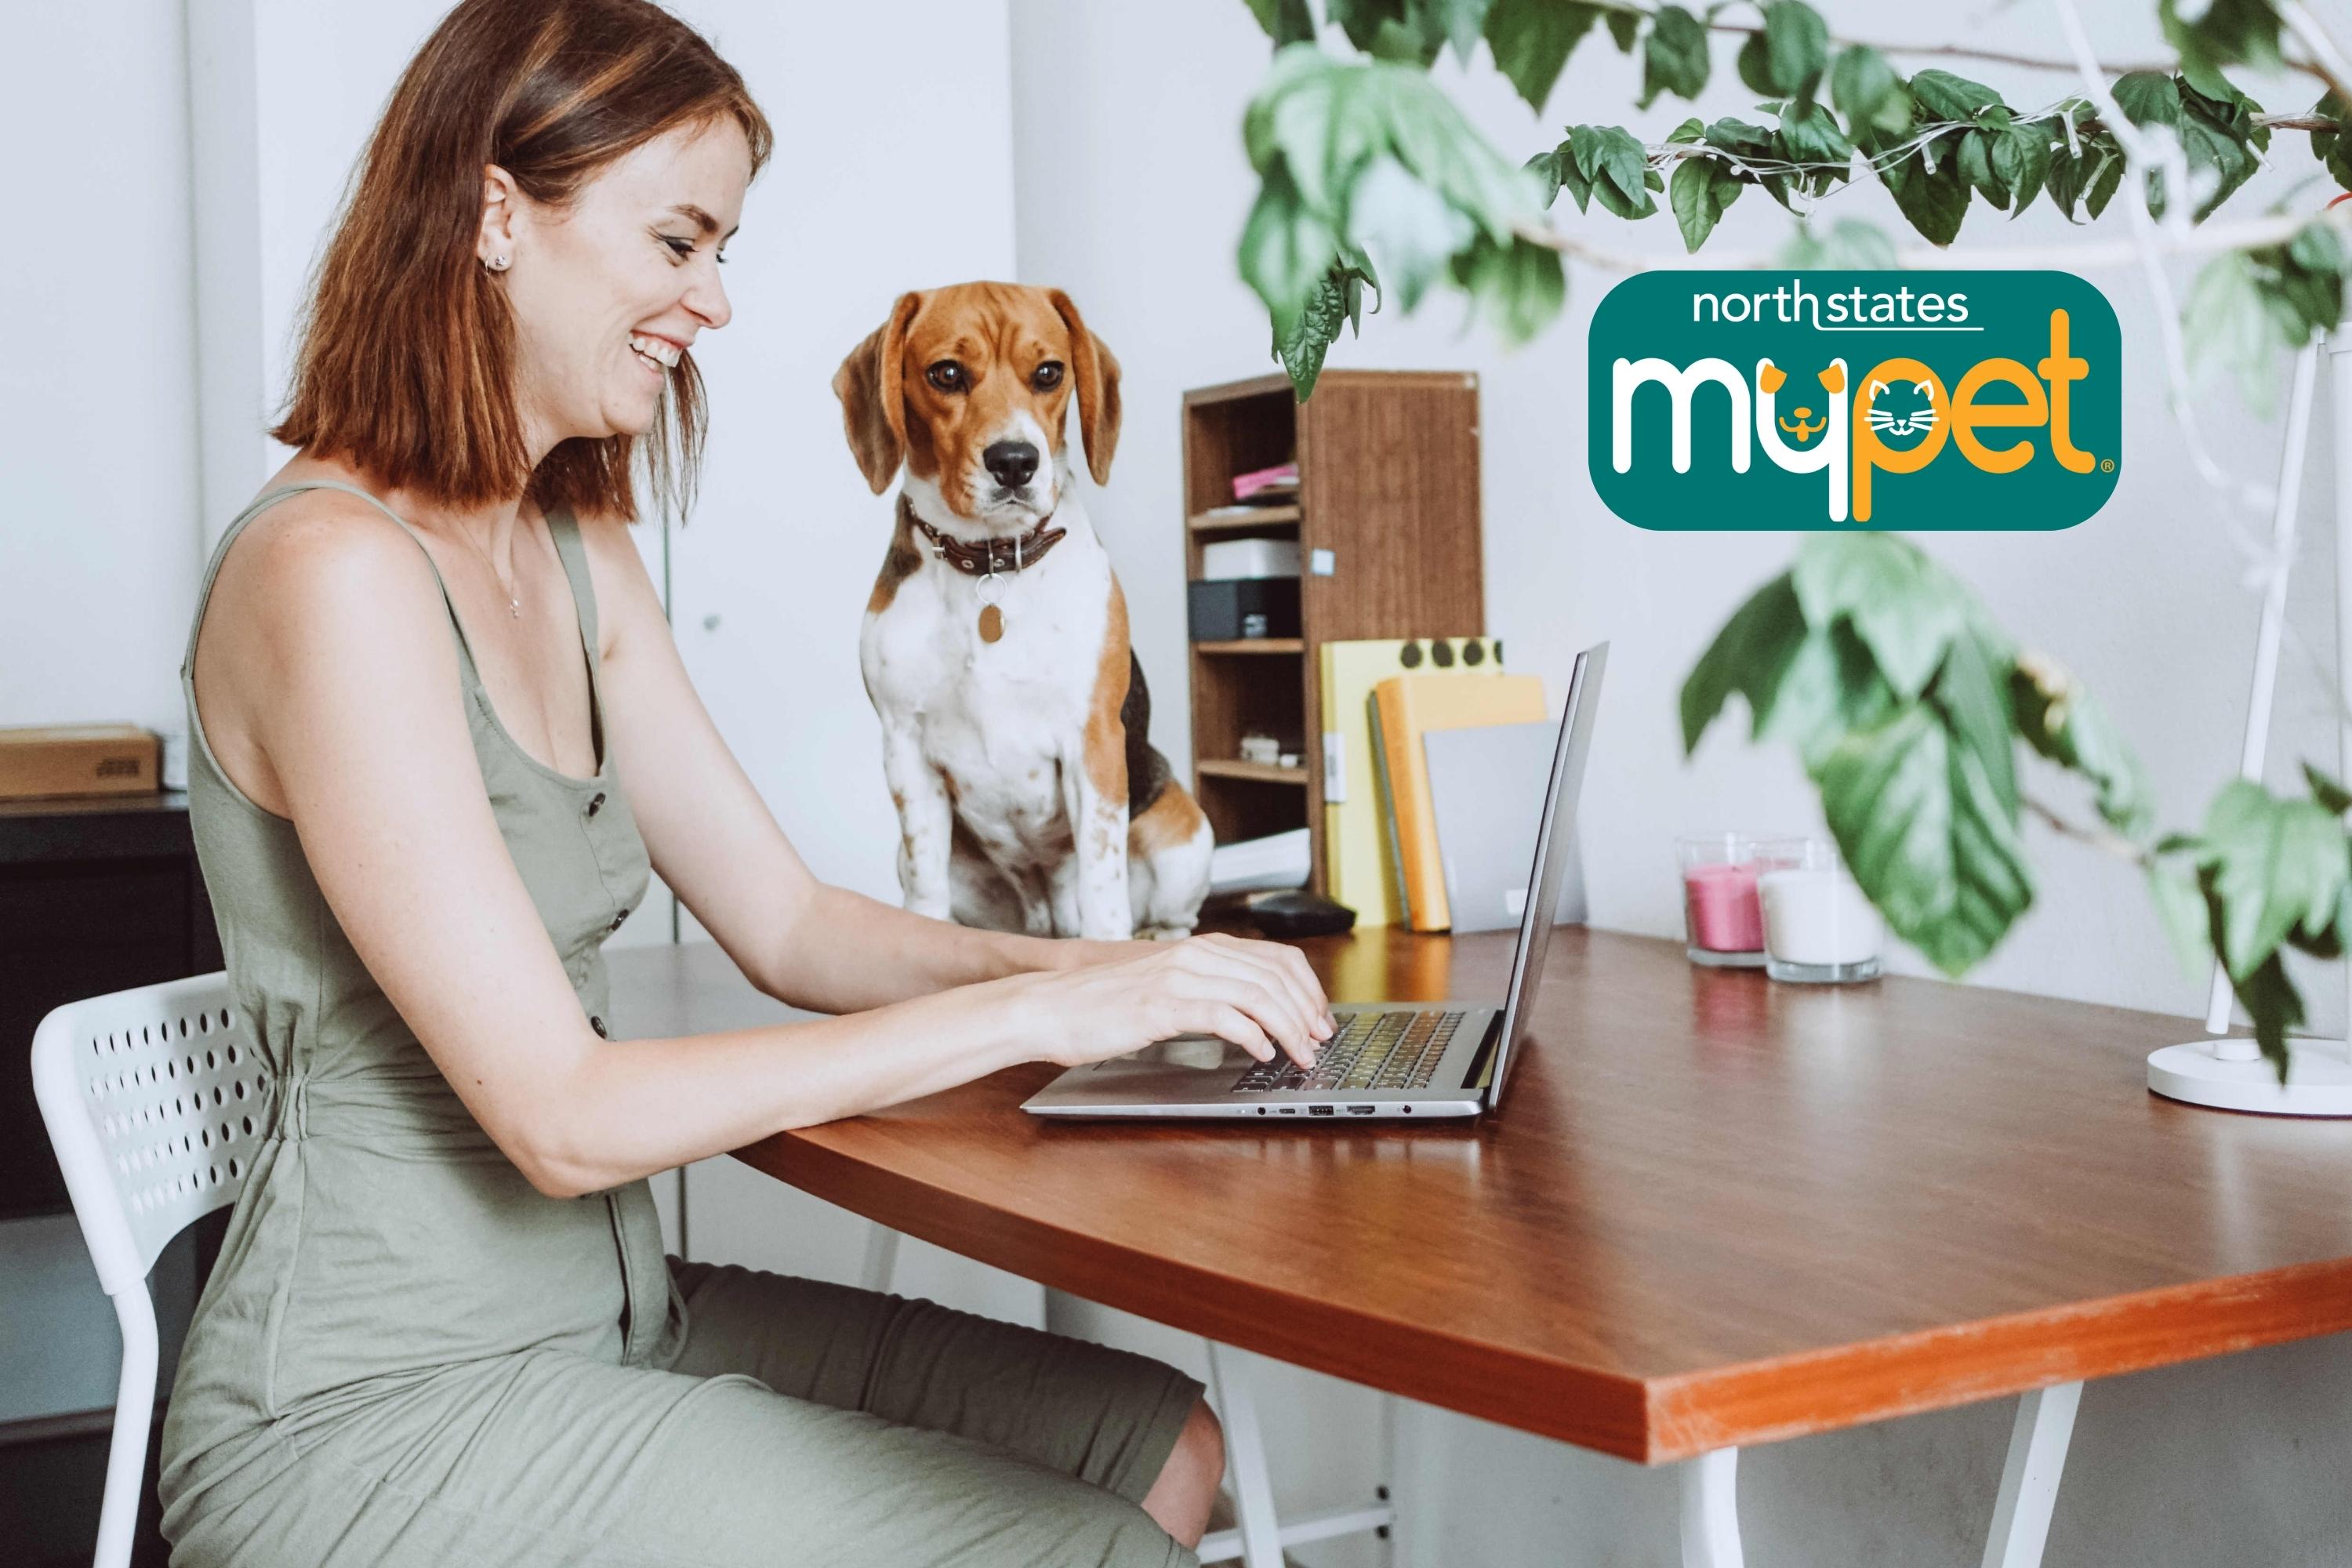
x,y
1096,369
873,400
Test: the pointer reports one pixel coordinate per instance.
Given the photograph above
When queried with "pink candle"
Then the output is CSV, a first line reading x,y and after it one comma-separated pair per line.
x,y
1723,910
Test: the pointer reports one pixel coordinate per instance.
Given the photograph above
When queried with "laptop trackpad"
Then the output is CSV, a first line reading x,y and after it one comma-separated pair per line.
x,y
1182,1051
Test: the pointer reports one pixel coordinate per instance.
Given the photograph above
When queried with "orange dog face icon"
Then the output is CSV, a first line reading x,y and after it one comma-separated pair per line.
x,y
1802,430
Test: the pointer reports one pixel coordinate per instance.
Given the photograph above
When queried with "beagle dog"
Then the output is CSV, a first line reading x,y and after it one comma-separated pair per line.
x,y
994,646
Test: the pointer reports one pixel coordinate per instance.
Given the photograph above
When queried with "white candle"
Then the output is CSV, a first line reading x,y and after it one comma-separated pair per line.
x,y
1818,917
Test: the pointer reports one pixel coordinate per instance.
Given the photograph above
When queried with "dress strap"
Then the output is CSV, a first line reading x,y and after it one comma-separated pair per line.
x,y
220,552
564,528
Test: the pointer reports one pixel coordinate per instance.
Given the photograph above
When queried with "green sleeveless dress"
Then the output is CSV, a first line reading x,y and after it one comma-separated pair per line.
x,y
408,1356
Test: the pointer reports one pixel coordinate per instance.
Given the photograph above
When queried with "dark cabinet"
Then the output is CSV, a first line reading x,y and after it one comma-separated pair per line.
x,y
96,895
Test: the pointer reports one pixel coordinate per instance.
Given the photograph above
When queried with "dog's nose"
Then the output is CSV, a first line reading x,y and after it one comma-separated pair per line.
x,y
1013,462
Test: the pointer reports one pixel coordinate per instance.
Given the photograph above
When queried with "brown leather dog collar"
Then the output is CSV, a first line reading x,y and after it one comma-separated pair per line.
x,y
995,555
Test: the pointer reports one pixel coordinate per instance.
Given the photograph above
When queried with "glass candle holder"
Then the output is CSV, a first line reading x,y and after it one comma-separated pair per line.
x,y
1819,928
1723,923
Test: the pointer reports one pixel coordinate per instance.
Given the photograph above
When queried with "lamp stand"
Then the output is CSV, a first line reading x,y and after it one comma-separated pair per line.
x,y
2224,1070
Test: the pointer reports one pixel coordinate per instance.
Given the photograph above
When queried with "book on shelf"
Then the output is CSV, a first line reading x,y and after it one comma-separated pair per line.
x,y
1358,868
1405,707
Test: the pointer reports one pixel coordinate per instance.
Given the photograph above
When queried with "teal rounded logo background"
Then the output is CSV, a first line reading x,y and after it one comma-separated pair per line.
x,y
1665,346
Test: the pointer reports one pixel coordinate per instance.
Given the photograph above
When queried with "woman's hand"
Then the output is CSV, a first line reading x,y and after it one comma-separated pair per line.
x,y
1262,996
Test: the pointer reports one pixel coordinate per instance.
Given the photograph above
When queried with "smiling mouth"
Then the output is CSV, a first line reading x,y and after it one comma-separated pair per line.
x,y
655,353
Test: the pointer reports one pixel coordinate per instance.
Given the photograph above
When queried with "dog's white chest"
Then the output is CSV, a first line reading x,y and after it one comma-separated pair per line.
x,y
997,718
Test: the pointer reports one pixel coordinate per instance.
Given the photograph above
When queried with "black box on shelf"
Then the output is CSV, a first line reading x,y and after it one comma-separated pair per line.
x,y
1226,609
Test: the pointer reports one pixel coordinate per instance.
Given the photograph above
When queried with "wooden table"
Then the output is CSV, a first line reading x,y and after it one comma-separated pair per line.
x,y
1712,1212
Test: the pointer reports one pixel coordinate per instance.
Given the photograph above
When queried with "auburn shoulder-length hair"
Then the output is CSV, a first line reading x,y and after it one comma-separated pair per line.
x,y
407,362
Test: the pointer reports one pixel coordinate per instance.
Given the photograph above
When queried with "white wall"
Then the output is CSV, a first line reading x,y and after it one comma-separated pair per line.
x,y
98,451
1134,188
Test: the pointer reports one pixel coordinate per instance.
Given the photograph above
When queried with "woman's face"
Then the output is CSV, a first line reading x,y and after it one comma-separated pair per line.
x,y
635,260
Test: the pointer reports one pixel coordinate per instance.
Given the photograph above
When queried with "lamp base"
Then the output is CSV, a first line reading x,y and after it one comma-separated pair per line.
x,y
2318,1079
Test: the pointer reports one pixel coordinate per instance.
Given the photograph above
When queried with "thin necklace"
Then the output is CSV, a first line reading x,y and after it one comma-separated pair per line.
x,y
514,606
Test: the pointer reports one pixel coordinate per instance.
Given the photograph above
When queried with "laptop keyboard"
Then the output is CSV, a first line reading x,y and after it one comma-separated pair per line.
x,y
1369,1050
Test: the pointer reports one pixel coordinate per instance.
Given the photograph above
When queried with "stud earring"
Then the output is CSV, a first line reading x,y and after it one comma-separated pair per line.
x,y
496,264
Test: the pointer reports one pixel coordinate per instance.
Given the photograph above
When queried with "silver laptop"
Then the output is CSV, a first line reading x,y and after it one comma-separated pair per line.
x,y
1386,1060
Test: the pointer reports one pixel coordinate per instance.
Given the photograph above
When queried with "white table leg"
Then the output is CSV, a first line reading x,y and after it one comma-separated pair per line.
x,y
881,1258
1711,1510
2029,1481
1261,1532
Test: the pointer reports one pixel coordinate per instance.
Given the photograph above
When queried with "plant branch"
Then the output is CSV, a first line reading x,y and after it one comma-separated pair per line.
x,y
1991,56
2096,838
2204,240
2327,60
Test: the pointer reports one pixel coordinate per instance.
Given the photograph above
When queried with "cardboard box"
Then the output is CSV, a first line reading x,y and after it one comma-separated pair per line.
x,y
77,759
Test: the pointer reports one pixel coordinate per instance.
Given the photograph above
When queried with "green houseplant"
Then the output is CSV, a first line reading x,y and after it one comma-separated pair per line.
x,y
1906,700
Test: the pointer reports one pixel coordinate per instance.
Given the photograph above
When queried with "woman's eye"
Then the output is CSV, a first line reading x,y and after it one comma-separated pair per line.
x,y
947,376
681,248
1047,376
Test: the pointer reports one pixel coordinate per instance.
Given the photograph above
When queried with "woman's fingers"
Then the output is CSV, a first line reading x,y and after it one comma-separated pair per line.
x,y
1256,992
1229,1023
1286,968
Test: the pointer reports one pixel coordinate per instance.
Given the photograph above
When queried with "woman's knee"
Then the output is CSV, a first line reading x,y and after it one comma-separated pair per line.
x,y
1186,1488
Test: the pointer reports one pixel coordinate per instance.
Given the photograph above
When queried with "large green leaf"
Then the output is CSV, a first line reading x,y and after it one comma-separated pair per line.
x,y
2334,148
1532,40
1923,829
2275,865
1699,192
1674,58
2210,34
1869,93
1285,21
1948,96
1519,284
1787,59
1934,198
1748,656
1409,228
1904,607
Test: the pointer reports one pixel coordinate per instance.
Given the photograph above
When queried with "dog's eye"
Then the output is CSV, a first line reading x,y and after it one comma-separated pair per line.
x,y
947,376
1046,376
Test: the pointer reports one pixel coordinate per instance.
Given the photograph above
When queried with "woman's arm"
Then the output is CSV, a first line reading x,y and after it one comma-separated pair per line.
x,y
719,847
351,676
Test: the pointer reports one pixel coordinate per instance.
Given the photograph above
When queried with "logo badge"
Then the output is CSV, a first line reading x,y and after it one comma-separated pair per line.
x,y
1879,400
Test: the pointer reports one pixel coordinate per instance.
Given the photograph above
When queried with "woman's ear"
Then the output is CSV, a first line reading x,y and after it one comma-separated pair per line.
x,y
1096,369
873,406
495,236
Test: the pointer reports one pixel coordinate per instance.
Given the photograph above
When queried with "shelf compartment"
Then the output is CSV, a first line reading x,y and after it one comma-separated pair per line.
x,y
1252,645
1257,772
1256,518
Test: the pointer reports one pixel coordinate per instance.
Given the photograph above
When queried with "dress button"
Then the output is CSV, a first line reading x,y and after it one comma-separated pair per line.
x,y
598,1025
619,918
597,803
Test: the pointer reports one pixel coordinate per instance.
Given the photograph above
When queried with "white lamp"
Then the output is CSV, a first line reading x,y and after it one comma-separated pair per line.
x,y
2228,1071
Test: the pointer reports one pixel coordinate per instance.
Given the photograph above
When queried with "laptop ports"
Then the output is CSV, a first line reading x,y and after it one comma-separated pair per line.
x,y
1321,1110
1360,1110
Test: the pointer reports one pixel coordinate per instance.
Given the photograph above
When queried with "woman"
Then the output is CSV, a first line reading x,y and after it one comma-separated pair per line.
x,y
440,735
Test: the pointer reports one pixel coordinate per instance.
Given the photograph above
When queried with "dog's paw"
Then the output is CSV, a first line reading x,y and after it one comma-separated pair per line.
x,y
1164,933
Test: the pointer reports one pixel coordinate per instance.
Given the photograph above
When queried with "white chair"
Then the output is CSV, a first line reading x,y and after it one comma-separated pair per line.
x,y
153,1098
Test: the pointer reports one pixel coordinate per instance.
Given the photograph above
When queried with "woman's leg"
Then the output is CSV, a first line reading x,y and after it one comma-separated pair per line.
x,y
1132,1425
549,1459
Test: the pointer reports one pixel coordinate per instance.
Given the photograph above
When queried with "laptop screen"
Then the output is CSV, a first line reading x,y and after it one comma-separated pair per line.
x,y
1553,836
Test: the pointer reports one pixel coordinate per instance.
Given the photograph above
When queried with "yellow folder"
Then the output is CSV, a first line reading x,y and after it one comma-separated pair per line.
x,y
1358,868
1407,707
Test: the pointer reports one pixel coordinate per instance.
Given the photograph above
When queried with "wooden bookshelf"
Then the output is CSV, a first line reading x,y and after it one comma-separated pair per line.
x,y
1388,484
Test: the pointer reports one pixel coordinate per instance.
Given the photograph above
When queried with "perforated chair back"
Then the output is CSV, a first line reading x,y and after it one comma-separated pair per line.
x,y
153,1098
